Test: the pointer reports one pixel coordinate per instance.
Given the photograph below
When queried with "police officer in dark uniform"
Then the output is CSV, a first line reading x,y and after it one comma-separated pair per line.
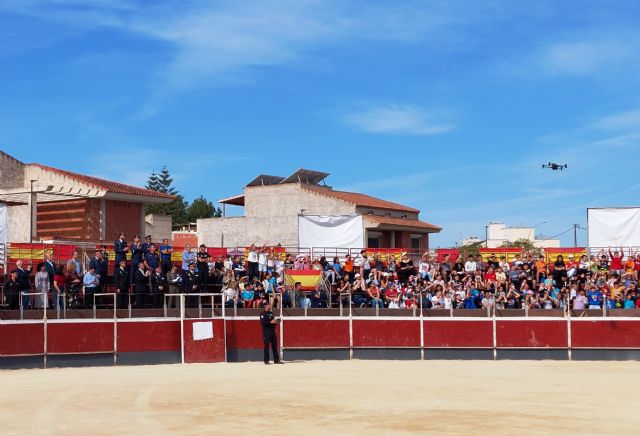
x,y
120,247
136,256
146,244
190,284
269,322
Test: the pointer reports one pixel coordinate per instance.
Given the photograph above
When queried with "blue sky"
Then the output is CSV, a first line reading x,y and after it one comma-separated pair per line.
x,y
447,106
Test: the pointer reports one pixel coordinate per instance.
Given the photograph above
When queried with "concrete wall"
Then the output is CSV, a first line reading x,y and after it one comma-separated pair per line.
x,y
11,172
158,226
289,199
18,223
271,217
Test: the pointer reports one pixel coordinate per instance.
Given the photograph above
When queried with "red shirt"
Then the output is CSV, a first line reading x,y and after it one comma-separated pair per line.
x,y
637,263
616,262
60,280
490,276
391,293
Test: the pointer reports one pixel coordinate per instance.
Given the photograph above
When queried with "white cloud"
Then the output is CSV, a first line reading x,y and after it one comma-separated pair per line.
x,y
397,119
586,57
620,121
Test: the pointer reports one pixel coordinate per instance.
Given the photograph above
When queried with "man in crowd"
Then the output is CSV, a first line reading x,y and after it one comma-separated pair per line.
x,y
141,280
174,281
136,250
121,283
203,268
151,259
75,264
22,277
91,282
166,250
99,265
121,248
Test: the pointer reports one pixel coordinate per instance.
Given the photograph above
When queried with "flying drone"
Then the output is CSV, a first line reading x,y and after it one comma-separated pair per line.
x,y
554,166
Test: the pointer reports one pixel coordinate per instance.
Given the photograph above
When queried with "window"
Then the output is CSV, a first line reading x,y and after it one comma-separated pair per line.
x,y
373,242
415,242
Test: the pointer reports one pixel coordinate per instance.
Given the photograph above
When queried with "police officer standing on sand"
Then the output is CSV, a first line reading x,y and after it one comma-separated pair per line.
x,y
269,322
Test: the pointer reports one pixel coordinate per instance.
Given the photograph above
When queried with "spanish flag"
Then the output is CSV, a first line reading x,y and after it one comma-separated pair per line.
x,y
309,279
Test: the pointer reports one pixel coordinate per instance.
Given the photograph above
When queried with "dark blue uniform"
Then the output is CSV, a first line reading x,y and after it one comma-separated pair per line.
x,y
136,258
22,277
119,247
269,336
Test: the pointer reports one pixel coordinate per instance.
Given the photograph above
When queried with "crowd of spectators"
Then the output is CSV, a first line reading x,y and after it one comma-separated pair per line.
x,y
526,282
144,273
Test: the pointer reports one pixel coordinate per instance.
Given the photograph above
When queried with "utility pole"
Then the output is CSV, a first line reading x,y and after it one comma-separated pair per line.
x,y
575,235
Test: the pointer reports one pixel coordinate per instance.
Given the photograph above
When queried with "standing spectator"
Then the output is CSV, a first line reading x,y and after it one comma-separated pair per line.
x,y
166,250
252,263
616,261
141,283
75,263
99,268
136,256
50,268
42,286
406,268
262,262
174,281
146,245
59,281
203,268
190,283
121,248
22,278
121,283
151,259
158,283
559,270
11,290
188,257
91,283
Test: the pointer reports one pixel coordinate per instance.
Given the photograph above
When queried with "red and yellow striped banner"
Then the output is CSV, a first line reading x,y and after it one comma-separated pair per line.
x,y
309,279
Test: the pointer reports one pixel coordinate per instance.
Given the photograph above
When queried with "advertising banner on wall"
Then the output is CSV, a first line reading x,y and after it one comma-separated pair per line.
x,y
614,226
330,231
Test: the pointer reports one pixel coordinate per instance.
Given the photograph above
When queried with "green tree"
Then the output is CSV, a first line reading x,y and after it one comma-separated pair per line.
x,y
177,209
200,208
525,244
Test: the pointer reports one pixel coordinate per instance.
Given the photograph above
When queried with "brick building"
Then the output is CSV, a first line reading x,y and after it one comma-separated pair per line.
x,y
272,206
45,203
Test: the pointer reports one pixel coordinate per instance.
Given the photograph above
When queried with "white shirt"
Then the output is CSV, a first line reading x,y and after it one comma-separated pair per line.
x,y
470,266
252,256
262,258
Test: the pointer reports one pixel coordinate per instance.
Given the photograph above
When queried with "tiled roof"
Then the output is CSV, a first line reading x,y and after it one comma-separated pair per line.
x,y
404,222
361,200
107,185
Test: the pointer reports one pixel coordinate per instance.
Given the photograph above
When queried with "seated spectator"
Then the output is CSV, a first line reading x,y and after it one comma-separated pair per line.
x,y
247,295
374,296
318,300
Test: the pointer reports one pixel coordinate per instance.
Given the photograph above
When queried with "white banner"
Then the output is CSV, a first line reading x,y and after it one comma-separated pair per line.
x,y
341,231
3,223
615,227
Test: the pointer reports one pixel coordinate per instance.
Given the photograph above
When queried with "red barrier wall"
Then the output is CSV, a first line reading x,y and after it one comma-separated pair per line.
x,y
149,336
316,334
531,334
386,333
245,334
458,334
80,338
605,334
16,339
206,350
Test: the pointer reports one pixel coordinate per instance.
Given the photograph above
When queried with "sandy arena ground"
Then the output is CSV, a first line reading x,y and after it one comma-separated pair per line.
x,y
372,397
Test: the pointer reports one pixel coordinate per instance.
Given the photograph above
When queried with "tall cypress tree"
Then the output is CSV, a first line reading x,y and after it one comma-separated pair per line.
x,y
163,183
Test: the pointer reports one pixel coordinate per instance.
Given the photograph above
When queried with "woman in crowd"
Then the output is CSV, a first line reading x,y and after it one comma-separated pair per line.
x,y
42,287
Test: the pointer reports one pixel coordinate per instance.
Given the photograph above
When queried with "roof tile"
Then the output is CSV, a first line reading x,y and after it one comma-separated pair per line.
x,y
107,185
361,200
